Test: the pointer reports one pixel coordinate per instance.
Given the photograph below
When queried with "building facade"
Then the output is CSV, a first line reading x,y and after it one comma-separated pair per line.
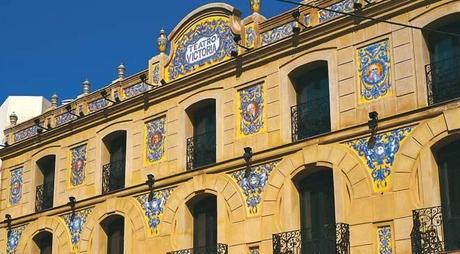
x,y
314,131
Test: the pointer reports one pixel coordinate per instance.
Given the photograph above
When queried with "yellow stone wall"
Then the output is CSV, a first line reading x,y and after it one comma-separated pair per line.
x,y
414,185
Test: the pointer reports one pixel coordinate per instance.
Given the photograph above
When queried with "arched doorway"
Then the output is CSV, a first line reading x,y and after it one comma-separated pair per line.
x,y
448,159
43,243
204,211
317,211
114,237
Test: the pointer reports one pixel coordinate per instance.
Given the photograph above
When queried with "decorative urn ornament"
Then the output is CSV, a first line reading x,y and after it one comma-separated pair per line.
x,y
255,5
162,41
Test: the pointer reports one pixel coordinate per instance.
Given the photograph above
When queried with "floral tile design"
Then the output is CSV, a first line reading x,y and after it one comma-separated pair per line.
x,y
135,90
253,186
156,74
78,165
343,6
277,33
250,36
16,186
154,209
251,110
97,104
380,158
374,71
385,243
155,140
215,34
65,118
25,134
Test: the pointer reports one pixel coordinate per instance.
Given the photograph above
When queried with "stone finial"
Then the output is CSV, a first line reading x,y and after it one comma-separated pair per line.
x,y
255,5
121,71
54,101
162,41
13,119
86,87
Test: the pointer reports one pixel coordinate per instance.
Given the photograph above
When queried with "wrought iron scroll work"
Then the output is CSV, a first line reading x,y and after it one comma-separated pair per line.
x,y
321,241
219,249
427,231
443,80
308,121
201,150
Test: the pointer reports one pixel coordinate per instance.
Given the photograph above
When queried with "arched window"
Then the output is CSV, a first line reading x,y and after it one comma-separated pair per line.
x,y
45,183
204,212
114,161
443,75
114,229
317,212
201,147
43,243
448,159
311,116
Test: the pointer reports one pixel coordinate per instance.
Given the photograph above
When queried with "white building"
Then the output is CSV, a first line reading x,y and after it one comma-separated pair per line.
x,y
25,107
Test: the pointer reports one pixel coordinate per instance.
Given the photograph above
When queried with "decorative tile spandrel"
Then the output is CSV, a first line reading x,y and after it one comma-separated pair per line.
x,y
75,226
251,110
153,210
155,140
78,165
13,239
374,71
16,186
253,186
207,42
379,159
385,240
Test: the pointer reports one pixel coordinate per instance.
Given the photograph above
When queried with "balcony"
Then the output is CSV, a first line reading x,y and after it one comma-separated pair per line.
x,y
43,198
329,240
113,176
201,150
219,249
443,80
309,121
427,231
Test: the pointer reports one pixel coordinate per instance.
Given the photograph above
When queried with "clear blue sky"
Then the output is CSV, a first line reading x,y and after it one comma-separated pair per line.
x,y
51,46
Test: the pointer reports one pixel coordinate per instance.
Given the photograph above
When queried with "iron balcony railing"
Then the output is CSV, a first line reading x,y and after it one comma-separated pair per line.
x,y
427,231
43,197
306,241
443,80
219,249
201,150
308,121
113,176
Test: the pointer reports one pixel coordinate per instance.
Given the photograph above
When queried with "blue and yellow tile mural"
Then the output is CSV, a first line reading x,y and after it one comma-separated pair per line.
x,y
343,6
156,73
75,226
97,104
155,140
154,208
77,165
251,110
13,239
385,240
16,184
26,133
374,71
253,186
277,33
381,157
250,35
134,90
207,42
